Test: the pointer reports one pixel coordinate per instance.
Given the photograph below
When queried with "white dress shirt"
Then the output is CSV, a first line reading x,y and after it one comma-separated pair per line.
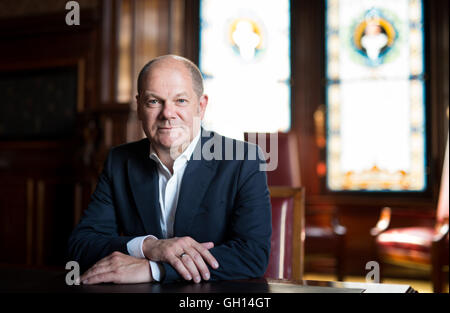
x,y
169,190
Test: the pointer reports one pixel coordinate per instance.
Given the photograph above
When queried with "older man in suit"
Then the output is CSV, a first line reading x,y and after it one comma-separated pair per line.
x,y
172,207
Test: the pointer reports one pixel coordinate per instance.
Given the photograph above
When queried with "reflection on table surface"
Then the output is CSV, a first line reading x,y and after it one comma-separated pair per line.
x,y
22,279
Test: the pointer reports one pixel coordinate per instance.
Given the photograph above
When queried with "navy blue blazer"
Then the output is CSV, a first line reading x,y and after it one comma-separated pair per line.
x,y
221,200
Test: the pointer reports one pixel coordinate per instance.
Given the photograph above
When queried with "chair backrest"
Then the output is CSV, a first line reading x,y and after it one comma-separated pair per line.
x,y
443,207
286,259
287,172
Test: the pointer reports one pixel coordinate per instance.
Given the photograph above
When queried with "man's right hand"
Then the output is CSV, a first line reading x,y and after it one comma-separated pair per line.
x,y
185,254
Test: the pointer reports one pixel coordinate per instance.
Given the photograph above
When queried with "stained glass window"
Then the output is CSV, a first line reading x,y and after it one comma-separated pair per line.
x,y
245,60
375,95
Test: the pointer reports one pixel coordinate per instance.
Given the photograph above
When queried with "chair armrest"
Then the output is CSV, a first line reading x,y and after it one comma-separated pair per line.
x,y
441,231
338,229
383,222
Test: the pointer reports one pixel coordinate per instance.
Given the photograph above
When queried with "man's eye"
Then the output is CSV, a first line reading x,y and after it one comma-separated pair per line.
x,y
152,102
182,100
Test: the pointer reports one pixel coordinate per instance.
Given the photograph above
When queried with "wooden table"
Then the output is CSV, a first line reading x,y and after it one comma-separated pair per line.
x,y
17,279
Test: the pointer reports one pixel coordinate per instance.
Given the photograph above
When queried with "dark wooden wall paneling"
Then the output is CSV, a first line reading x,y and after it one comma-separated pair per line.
x,y
46,184
38,177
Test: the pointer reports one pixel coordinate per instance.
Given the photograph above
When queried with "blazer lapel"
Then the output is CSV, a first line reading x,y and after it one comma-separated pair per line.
x,y
143,178
196,179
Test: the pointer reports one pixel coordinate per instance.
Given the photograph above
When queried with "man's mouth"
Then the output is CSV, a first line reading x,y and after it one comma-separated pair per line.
x,y
167,128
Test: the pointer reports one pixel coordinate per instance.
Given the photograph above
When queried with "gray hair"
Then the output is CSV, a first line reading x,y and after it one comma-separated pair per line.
x,y
196,75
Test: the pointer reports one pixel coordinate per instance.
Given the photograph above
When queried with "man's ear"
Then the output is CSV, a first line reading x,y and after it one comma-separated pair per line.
x,y
139,108
202,105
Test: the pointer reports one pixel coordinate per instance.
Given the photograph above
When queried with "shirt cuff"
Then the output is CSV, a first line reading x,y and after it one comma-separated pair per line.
x,y
134,246
157,270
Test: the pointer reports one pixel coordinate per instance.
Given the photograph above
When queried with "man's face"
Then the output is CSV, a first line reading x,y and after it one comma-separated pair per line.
x,y
168,107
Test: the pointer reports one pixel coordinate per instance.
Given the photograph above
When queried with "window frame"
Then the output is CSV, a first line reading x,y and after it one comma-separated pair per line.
x,y
427,113
308,93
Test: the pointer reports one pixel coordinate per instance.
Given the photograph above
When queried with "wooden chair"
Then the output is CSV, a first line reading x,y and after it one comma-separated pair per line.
x,y
324,235
286,259
424,246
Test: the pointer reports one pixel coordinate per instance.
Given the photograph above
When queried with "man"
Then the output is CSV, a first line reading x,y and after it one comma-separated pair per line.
x,y
163,209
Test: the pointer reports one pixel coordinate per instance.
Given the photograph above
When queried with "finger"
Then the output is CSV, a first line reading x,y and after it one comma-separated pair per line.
x,y
191,266
195,257
206,255
106,277
179,267
208,245
99,266
99,269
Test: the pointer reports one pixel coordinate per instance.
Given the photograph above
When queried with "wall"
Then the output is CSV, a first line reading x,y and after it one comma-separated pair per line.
x,y
46,182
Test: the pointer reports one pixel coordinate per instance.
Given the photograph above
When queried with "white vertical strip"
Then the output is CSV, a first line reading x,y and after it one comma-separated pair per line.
x,y
282,240
443,194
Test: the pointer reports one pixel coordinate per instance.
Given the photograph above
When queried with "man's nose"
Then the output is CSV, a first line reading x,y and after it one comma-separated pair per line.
x,y
168,110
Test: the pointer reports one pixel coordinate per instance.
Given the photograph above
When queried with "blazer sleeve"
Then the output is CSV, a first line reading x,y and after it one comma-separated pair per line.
x,y
246,253
97,234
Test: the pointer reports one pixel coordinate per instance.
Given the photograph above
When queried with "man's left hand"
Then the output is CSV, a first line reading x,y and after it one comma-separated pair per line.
x,y
118,268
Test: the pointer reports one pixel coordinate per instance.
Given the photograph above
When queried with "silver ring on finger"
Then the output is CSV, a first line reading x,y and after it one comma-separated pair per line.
x,y
182,255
